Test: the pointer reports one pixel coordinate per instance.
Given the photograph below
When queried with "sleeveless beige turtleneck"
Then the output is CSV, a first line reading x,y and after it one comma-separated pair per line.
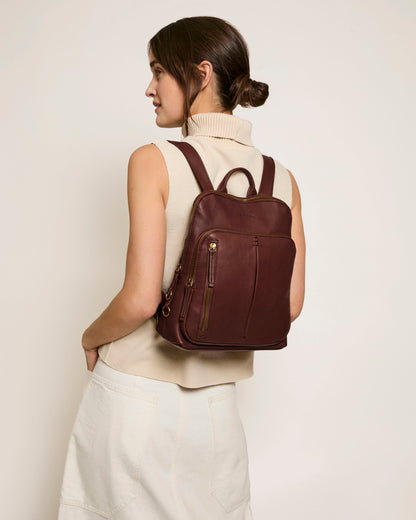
x,y
223,142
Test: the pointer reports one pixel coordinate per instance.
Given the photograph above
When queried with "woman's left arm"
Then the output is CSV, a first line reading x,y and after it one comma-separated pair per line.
x,y
140,295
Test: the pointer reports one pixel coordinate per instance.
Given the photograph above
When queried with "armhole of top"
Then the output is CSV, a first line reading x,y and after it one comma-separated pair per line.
x,y
284,184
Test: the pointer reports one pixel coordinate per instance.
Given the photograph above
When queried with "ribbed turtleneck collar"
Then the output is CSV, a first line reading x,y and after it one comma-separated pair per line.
x,y
218,124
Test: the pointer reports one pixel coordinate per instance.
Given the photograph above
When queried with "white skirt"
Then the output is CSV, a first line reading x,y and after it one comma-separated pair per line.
x,y
144,449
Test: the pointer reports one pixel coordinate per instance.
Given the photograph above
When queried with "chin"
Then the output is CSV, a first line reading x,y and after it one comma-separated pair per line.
x,y
169,124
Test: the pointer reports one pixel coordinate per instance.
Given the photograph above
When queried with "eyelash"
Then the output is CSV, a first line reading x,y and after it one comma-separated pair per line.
x,y
157,72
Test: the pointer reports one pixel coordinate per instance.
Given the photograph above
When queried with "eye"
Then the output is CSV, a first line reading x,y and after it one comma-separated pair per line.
x,y
157,72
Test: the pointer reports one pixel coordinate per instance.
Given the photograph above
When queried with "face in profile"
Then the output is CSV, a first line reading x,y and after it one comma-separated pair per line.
x,y
168,98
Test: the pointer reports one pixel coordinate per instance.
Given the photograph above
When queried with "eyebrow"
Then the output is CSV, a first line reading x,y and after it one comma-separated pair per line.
x,y
153,63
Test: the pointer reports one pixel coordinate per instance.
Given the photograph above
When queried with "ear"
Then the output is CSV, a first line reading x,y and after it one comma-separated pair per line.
x,y
206,70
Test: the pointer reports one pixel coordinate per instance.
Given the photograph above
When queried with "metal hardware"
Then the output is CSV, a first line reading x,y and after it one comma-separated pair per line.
x,y
166,311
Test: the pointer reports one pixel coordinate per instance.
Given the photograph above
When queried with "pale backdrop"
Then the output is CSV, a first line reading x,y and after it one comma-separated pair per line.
x,y
330,420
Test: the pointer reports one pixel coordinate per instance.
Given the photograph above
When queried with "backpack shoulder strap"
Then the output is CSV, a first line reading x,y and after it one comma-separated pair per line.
x,y
267,179
196,164
201,175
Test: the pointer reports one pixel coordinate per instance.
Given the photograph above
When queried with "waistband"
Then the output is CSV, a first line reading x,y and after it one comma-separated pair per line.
x,y
106,372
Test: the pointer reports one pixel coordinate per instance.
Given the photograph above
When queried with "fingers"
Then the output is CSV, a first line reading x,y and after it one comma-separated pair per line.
x,y
91,357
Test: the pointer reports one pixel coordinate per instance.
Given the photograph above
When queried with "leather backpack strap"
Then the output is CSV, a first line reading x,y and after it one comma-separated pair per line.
x,y
267,178
196,164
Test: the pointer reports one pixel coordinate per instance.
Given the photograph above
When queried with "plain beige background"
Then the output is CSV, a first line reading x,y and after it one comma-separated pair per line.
x,y
330,420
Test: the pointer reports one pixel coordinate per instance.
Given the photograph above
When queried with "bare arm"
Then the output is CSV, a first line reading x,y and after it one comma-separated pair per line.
x,y
140,295
297,287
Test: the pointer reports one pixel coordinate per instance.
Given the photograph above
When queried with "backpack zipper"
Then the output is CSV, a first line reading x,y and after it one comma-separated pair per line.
x,y
211,272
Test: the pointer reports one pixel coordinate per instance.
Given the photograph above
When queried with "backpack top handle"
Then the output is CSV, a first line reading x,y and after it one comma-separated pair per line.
x,y
251,192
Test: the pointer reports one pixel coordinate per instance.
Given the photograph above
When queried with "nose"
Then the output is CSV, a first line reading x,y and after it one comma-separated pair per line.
x,y
150,91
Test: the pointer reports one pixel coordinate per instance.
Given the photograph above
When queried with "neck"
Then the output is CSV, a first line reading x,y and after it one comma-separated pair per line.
x,y
206,103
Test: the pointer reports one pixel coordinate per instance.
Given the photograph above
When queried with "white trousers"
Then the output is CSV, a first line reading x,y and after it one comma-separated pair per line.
x,y
144,449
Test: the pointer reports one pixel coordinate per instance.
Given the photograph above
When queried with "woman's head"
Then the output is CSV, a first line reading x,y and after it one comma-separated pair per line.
x,y
204,52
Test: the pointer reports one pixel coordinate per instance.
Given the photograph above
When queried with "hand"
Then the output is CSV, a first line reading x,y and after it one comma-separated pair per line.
x,y
92,357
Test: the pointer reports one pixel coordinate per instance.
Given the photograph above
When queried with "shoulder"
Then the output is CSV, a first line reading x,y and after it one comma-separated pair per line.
x,y
147,164
145,155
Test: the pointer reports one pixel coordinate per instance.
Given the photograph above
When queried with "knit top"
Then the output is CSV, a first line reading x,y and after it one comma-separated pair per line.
x,y
224,142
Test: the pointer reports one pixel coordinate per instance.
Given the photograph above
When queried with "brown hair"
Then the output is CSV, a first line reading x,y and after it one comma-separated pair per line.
x,y
182,45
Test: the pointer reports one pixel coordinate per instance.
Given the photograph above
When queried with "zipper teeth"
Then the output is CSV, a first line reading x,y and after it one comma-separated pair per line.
x,y
230,231
211,253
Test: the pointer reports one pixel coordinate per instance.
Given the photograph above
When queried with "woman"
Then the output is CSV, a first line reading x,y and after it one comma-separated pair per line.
x,y
158,435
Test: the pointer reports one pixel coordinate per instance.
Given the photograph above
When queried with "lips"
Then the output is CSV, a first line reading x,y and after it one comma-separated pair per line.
x,y
156,104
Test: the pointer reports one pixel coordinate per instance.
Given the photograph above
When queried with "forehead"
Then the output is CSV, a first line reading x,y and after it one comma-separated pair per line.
x,y
152,60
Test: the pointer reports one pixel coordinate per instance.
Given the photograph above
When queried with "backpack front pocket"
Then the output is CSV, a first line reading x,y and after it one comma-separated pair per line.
x,y
241,289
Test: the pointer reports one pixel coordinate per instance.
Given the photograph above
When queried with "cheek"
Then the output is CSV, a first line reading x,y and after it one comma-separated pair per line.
x,y
180,97
174,91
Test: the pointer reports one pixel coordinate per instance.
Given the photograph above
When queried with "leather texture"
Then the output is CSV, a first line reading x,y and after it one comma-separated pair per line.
x,y
231,288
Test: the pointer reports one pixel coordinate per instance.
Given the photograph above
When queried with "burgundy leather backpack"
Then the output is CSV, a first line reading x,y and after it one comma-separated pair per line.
x,y
231,288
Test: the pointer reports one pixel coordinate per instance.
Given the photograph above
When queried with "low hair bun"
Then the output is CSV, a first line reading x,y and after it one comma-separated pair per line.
x,y
247,92
259,92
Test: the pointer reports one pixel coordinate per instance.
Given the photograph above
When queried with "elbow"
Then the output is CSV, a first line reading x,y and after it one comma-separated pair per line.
x,y
295,310
294,315
150,310
139,309
297,297
144,311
